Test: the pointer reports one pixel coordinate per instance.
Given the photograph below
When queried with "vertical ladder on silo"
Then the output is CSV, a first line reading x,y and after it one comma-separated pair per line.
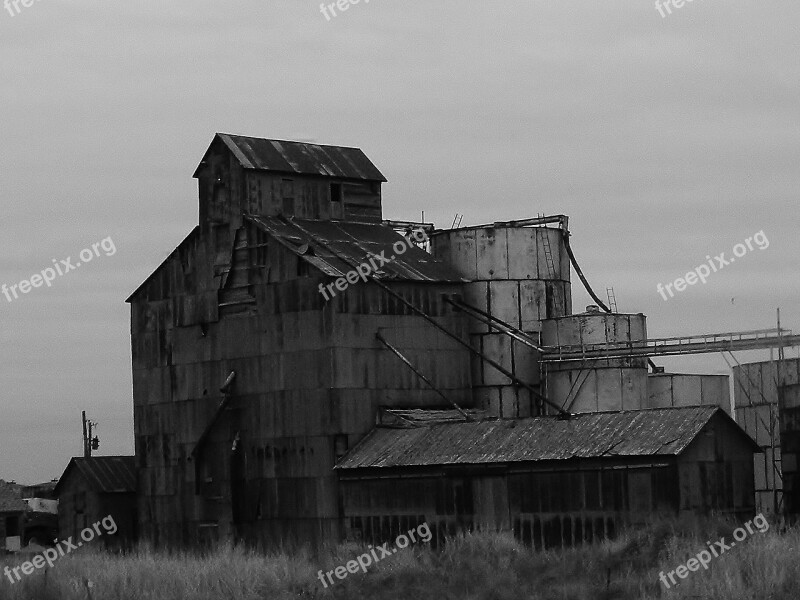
x,y
548,251
612,299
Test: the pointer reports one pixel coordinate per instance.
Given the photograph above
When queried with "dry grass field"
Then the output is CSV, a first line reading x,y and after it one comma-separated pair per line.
x,y
480,566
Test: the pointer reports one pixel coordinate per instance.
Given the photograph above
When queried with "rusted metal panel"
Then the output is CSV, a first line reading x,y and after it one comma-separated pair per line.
x,y
595,328
459,249
687,390
157,285
634,433
353,244
717,470
522,255
543,508
309,197
497,346
533,305
617,384
504,301
754,383
610,390
677,389
766,425
504,252
301,158
504,263
526,362
788,476
593,390
177,392
492,247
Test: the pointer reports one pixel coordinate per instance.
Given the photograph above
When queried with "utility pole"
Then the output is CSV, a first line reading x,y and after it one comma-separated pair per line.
x,y
90,441
780,505
86,452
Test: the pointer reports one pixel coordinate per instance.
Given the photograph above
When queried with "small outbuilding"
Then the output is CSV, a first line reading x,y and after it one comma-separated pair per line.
x,y
92,489
28,515
552,481
12,509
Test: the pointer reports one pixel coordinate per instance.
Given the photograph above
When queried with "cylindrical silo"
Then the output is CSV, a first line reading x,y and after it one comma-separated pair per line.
x,y
596,385
520,275
764,395
682,389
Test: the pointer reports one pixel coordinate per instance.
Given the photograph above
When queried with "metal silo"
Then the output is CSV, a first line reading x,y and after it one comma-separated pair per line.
x,y
603,384
517,273
765,399
684,389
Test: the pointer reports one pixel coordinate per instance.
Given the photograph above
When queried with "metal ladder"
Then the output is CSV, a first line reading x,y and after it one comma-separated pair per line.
x,y
612,299
548,252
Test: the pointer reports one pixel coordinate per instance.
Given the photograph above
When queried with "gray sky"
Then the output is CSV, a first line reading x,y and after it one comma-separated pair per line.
x,y
664,140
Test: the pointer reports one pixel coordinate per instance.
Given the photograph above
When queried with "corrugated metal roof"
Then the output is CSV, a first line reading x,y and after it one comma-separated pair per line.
x,y
301,158
104,474
652,432
335,247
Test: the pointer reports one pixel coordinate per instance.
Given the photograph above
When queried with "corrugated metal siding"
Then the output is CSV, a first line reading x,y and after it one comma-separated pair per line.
x,y
755,395
633,433
301,158
353,244
310,377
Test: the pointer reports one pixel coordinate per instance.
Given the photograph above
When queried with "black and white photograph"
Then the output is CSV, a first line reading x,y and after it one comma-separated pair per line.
x,y
442,300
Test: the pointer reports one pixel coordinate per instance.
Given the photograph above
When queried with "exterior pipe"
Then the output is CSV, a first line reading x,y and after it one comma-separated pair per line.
x,y
441,328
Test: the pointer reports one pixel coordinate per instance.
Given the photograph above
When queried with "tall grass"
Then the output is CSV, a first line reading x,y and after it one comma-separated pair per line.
x,y
476,566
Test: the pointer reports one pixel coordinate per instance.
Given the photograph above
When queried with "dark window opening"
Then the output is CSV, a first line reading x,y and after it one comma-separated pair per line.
x,y
340,446
336,192
287,196
12,526
302,267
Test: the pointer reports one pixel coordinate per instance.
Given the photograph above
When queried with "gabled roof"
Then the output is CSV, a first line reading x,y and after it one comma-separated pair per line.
x,y
103,474
299,158
652,432
337,247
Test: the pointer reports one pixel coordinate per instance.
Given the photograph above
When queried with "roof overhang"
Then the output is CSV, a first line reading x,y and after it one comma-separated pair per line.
x,y
296,158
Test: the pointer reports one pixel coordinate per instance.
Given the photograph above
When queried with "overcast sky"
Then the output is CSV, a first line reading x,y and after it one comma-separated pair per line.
x,y
664,140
